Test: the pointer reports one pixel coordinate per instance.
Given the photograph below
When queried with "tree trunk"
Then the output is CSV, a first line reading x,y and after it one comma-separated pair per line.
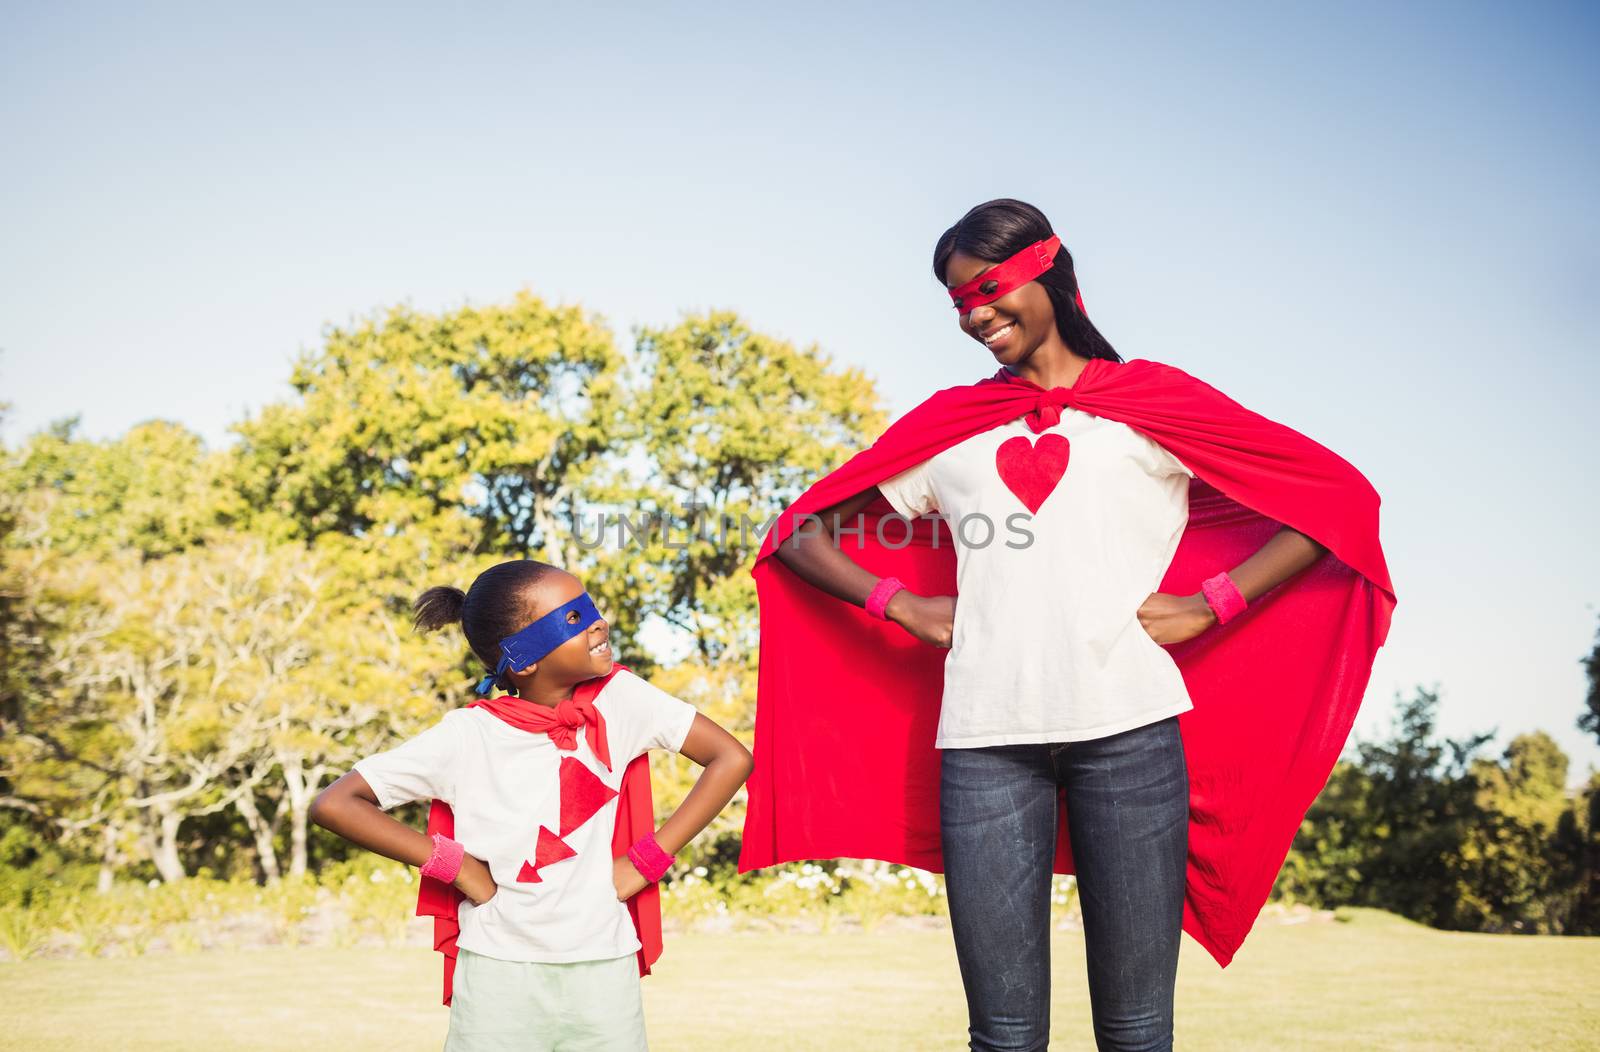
x,y
164,849
261,833
298,821
108,857
300,787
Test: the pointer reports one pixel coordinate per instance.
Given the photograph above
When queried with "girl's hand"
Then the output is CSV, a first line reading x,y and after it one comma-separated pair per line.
x,y
1175,618
475,881
931,618
627,879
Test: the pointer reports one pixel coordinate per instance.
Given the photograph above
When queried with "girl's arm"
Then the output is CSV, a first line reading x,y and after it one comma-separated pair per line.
x,y
1175,618
350,808
818,560
727,764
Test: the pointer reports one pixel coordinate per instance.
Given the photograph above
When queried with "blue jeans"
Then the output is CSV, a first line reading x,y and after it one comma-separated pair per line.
x,y
1127,799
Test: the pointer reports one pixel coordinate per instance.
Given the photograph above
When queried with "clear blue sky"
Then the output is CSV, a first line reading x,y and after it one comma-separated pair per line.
x,y
1376,223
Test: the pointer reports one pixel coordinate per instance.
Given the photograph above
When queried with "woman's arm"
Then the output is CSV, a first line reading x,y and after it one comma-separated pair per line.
x,y
1175,618
350,808
817,559
727,764
1285,554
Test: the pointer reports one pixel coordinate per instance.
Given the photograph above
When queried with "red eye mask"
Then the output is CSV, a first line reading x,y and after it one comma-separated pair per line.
x,y
1013,273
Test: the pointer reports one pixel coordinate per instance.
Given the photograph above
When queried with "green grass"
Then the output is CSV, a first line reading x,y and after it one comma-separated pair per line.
x,y
1377,982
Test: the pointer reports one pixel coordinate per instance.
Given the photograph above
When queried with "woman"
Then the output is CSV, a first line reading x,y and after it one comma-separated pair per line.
x,y
1079,553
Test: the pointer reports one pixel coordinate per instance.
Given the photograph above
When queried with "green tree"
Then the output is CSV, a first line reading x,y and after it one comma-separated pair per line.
x,y
1510,880
419,448
49,800
326,674
57,747
1575,853
725,425
1589,720
431,438
155,490
1423,804
233,633
1578,832
243,675
1325,867
733,425
1392,831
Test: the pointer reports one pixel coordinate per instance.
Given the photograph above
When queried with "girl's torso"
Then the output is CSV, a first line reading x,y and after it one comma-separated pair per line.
x,y
541,817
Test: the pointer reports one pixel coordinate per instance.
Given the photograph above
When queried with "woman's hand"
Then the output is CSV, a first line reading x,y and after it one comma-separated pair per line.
x,y
475,881
1175,618
627,879
931,618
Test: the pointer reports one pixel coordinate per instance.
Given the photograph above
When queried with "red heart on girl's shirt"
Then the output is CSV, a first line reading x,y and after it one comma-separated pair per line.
x,y
1030,470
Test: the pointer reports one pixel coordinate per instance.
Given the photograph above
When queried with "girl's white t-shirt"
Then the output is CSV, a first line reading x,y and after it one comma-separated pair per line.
x,y
1047,644
504,784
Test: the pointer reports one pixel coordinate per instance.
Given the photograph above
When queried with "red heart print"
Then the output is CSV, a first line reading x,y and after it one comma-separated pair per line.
x,y
1030,470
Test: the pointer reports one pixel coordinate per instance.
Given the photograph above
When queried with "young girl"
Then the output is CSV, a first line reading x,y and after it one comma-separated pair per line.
x,y
545,787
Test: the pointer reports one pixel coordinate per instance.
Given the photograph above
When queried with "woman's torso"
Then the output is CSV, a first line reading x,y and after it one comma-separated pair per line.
x,y
1047,645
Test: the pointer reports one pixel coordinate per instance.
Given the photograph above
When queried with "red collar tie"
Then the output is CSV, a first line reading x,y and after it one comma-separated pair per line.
x,y
560,723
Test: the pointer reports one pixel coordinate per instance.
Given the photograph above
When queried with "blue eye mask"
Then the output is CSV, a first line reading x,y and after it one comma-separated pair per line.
x,y
538,639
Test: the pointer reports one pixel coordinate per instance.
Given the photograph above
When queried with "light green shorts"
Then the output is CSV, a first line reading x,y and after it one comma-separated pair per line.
x,y
501,1006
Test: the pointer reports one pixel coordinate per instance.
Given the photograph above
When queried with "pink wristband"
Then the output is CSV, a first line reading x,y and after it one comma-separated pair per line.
x,y
1223,596
445,862
882,592
649,859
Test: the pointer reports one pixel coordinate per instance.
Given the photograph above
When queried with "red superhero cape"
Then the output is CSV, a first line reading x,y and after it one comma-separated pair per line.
x,y
1275,690
635,817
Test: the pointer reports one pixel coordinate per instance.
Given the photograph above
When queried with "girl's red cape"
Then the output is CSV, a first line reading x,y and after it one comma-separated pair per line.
x,y
847,705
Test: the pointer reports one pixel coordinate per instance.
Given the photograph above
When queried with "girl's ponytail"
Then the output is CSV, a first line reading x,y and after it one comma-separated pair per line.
x,y
438,607
497,606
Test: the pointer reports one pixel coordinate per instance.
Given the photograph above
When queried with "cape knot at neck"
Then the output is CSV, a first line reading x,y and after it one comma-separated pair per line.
x,y
1046,412
570,715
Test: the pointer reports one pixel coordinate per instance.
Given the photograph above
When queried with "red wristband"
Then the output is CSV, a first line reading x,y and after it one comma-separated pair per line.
x,y
1223,596
445,862
649,859
882,592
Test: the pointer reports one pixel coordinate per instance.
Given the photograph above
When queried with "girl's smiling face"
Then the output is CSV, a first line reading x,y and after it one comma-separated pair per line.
x,y
584,656
1011,327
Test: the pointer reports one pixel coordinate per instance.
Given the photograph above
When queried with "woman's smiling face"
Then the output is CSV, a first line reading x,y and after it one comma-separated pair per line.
x,y
1011,327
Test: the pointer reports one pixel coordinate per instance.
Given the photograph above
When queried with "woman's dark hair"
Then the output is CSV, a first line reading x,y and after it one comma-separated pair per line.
x,y
999,229
496,606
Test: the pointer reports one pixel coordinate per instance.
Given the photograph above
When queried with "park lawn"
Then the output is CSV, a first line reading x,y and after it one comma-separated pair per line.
x,y
1378,982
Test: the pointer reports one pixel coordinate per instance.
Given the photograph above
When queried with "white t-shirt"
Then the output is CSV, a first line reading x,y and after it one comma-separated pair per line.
x,y
504,784
1047,644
